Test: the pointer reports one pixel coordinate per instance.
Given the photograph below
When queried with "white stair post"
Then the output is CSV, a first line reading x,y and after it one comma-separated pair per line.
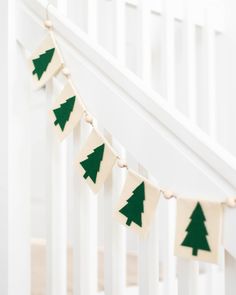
x,y
18,175
4,200
230,274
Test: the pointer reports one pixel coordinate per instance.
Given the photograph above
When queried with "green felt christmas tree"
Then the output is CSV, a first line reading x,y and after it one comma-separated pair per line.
x,y
92,164
197,232
63,112
134,208
41,63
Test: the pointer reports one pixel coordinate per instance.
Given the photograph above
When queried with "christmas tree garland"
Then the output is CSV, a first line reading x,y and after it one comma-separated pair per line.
x,y
198,223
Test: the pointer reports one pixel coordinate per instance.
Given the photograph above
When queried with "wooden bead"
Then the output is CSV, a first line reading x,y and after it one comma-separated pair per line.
x,y
231,202
121,163
89,119
168,194
66,72
48,24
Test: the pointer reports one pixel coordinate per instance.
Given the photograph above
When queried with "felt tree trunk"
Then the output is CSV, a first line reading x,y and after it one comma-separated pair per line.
x,y
92,164
197,232
134,208
41,63
63,112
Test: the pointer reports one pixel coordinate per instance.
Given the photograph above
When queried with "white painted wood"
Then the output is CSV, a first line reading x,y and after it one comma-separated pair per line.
x,y
148,267
219,21
6,75
119,32
133,118
114,233
153,252
178,10
59,4
106,23
86,220
108,239
83,63
92,19
156,6
228,238
168,50
48,192
62,5
122,92
210,71
221,162
168,236
143,267
57,213
71,212
144,41
153,259
173,152
76,217
77,12
190,48
230,274
214,280
17,260
53,2
188,277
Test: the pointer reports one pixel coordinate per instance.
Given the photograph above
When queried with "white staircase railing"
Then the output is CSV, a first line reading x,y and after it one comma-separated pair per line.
x,y
180,63
164,141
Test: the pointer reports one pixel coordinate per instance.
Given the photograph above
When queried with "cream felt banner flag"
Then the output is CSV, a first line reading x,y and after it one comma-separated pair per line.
x,y
96,160
198,230
229,223
138,203
45,62
67,111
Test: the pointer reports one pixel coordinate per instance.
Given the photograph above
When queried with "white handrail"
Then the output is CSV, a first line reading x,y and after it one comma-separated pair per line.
x,y
162,140
220,161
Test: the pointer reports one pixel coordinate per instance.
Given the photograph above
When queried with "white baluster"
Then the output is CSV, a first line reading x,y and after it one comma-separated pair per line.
x,y
119,32
149,255
153,252
190,59
8,66
214,280
60,5
57,211
168,50
108,245
144,44
70,211
167,212
148,267
230,274
15,200
188,277
215,276
92,19
114,233
76,216
77,12
143,254
209,34
85,227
